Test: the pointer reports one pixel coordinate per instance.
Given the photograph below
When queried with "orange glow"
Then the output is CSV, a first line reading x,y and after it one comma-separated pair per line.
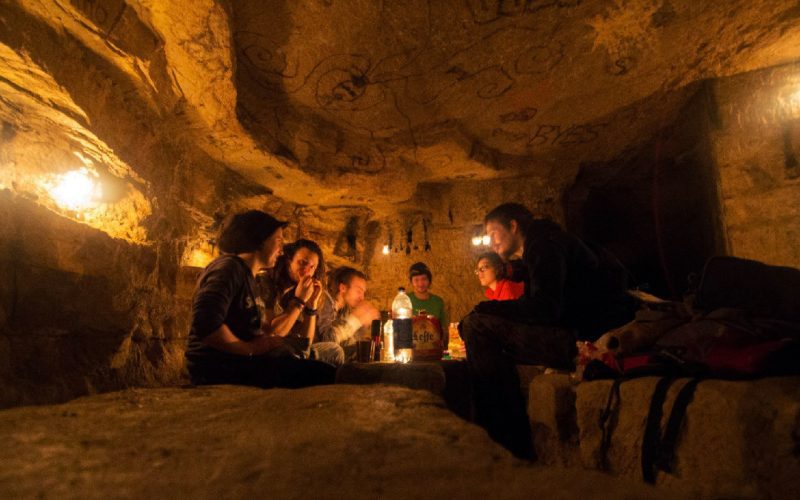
x,y
199,258
76,190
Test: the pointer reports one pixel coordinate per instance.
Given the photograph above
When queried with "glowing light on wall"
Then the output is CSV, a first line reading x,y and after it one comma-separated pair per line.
x,y
794,100
200,258
385,250
484,240
76,190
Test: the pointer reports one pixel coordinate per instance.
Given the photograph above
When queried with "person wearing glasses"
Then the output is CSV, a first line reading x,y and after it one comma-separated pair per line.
x,y
491,272
571,290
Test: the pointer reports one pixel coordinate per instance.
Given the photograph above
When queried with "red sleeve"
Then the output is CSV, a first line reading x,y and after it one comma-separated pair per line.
x,y
515,289
509,290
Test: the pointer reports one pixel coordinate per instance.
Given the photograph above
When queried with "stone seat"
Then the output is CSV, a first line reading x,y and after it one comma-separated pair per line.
x,y
739,439
340,441
445,378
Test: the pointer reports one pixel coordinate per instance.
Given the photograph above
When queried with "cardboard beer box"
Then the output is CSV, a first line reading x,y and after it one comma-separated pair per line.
x,y
427,332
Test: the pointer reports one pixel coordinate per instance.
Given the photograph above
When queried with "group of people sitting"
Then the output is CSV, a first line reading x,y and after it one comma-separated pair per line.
x,y
265,301
261,315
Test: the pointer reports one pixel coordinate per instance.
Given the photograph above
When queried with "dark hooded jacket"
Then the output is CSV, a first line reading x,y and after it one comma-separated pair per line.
x,y
567,283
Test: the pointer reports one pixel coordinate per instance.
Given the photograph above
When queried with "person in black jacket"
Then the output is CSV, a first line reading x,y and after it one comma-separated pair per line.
x,y
571,291
227,342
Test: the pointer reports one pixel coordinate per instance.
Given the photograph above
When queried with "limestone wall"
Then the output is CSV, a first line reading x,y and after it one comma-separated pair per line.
x,y
656,207
80,311
755,147
454,214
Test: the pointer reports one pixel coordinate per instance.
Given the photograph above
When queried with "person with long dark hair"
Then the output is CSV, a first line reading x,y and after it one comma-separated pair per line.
x,y
228,344
301,260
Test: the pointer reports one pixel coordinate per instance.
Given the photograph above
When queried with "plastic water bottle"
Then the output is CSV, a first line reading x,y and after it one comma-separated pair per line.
x,y
402,327
387,351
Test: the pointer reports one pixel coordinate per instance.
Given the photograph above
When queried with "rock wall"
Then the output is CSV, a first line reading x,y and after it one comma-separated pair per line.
x,y
80,311
657,207
755,144
453,214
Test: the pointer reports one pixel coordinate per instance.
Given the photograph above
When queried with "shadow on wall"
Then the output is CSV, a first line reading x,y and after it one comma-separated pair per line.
x,y
80,312
657,210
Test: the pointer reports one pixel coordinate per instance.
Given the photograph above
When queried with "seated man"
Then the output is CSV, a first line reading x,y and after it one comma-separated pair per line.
x,y
422,299
227,342
344,312
570,291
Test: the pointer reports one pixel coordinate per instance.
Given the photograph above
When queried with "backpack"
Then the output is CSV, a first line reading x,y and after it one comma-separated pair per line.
x,y
745,324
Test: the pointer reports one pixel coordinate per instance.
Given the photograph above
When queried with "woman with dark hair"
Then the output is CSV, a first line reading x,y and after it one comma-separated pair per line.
x,y
227,342
491,272
301,260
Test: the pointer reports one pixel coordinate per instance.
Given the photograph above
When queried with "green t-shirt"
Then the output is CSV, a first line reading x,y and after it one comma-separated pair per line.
x,y
434,305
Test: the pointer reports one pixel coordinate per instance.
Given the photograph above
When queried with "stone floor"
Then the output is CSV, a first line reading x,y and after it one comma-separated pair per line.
x,y
446,378
341,441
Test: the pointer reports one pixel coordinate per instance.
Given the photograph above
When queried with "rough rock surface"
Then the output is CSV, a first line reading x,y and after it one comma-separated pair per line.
x,y
327,102
554,425
739,439
235,442
448,379
81,312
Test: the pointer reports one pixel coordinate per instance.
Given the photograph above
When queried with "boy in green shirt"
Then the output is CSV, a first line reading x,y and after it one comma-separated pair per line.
x,y
422,299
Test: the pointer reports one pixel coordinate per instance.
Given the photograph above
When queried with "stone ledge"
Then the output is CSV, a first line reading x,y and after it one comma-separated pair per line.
x,y
447,378
551,408
239,442
740,439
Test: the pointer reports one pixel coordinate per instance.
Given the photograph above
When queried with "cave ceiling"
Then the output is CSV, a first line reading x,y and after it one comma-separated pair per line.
x,y
335,103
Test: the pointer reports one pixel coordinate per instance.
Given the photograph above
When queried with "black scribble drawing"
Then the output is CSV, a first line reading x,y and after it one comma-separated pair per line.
x,y
539,59
258,55
621,66
489,11
523,115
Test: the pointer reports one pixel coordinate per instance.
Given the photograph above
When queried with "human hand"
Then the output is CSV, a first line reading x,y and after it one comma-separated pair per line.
x,y
365,313
313,302
304,289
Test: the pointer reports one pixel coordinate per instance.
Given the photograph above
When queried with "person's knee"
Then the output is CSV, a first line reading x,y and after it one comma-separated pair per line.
x,y
328,352
468,325
474,327
336,356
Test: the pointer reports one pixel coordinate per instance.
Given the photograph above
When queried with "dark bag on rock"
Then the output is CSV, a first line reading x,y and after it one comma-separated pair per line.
x,y
757,289
746,324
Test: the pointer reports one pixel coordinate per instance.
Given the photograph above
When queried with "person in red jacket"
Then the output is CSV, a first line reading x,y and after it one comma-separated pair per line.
x,y
491,272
